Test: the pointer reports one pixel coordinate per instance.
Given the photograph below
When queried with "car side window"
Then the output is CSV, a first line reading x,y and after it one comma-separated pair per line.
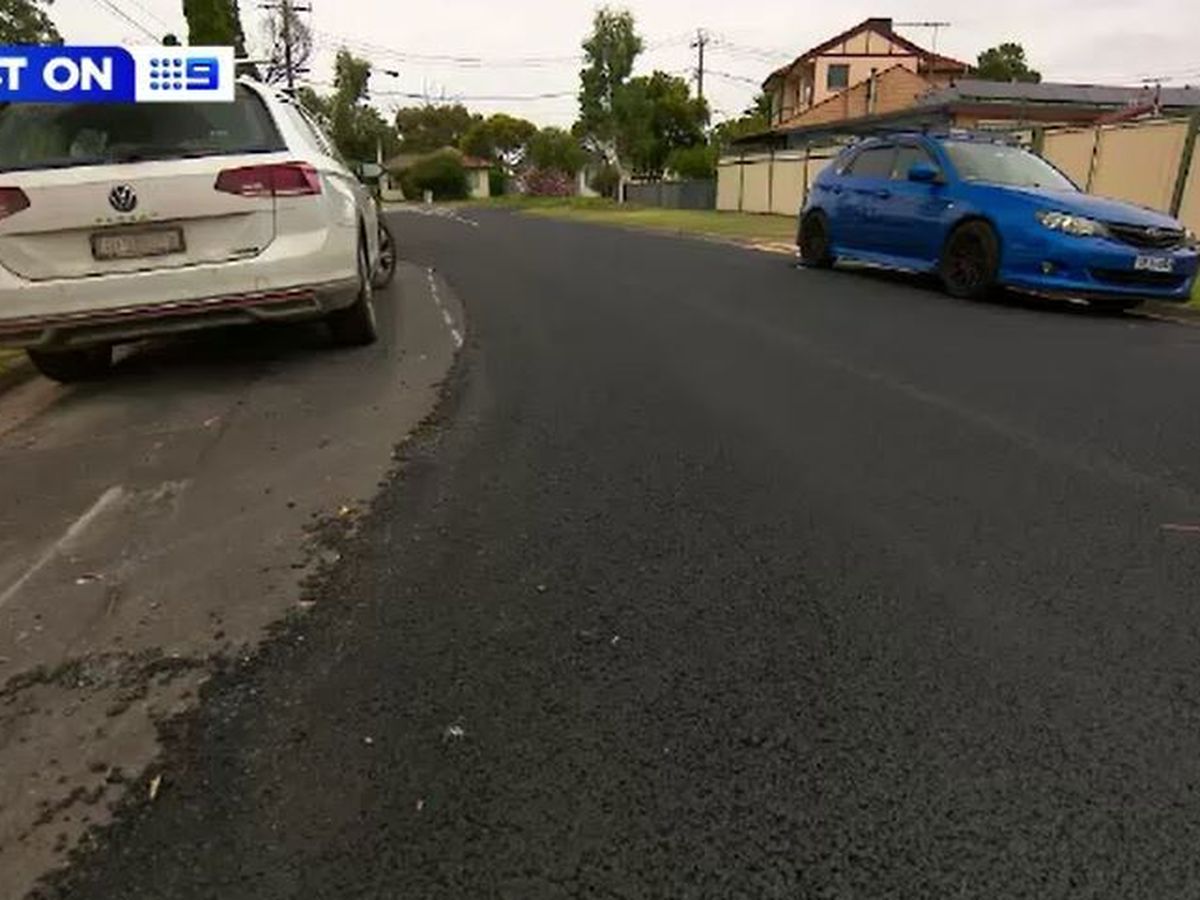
x,y
907,156
873,162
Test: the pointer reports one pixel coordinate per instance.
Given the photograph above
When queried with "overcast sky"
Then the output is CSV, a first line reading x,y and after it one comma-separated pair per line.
x,y
518,49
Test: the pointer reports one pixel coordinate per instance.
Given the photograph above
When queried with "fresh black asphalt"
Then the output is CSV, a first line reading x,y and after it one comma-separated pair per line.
x,y
713,578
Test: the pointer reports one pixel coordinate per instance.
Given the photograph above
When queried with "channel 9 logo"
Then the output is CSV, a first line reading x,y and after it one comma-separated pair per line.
x,y
116,74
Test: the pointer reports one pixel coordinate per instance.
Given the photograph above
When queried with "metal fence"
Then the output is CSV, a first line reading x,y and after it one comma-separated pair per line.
x,y
770,182
673,194
1153,163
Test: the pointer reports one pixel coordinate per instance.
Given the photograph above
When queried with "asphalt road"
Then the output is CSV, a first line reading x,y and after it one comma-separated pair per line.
x,y
718,579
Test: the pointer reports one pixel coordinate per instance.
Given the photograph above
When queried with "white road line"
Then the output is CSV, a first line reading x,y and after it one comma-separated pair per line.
x,y
446,317
435,212
106,500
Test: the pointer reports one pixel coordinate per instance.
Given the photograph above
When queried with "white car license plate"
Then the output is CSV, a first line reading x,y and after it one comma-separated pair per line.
x,y
1154,264
137,244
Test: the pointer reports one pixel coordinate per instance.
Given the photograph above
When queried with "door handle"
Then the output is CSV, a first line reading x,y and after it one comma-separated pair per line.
x,y
883,194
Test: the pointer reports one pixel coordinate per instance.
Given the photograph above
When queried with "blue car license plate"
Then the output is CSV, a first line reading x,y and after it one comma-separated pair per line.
x,y
1154,264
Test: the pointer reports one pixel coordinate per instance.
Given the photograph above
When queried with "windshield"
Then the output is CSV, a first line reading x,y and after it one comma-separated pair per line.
x,y
1004,164
46,136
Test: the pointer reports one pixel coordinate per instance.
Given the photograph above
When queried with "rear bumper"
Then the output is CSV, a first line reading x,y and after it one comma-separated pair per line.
x,y
302,274
128,323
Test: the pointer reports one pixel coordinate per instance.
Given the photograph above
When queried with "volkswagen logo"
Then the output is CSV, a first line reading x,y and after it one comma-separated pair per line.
x,y
123,198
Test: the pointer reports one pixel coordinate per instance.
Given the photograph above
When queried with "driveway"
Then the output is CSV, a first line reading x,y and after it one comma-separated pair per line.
x,y
714,578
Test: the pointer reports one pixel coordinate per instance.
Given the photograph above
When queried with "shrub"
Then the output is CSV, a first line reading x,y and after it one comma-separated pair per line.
x,y
606,181
441,172
549,183
497,182
697,162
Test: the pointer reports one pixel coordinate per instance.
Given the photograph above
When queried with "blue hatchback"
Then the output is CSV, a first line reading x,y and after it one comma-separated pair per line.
x,y
981,213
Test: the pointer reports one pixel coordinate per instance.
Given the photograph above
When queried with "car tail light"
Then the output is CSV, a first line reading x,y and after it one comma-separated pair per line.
x,y
293,179
12,200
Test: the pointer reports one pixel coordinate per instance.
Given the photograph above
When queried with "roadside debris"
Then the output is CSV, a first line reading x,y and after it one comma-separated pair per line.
x,y
454,733
155,784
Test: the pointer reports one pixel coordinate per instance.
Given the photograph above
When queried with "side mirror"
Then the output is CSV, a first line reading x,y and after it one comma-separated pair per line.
x,y
924,173
369,171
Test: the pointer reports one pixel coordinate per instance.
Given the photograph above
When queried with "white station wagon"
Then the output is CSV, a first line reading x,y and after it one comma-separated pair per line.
x,y
119,222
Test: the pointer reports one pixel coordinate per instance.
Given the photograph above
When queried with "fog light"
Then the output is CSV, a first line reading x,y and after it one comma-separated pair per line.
x,y
1047,268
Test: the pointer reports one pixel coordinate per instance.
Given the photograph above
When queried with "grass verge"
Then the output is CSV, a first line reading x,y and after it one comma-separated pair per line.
x,y
10,359
735,226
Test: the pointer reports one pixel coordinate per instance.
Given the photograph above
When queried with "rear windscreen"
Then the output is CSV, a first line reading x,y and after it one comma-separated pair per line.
x,y
45,136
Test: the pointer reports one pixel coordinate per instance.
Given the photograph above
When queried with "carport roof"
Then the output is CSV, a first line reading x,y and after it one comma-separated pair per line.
x,y
972,90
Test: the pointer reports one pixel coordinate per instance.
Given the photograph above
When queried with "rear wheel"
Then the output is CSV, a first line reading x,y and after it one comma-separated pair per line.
x,y
814,241
355,326
971,261
69,366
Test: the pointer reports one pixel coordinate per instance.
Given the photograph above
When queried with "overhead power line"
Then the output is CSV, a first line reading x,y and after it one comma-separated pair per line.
x,y
742,79
167,26
332,40
127,18
477,98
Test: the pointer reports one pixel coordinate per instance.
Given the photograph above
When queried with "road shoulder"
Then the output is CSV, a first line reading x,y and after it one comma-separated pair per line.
x,y
191,533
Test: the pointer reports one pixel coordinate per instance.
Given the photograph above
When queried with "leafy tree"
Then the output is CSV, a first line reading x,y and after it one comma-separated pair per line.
x,y
656,115
1005,62
320,107
215,23
755,120
610,51
555,150
424,129
356,127
26,22
274,32
351,77
501,138
696,162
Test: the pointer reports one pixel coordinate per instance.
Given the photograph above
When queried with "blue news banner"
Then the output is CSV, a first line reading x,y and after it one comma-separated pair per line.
x,y
147,74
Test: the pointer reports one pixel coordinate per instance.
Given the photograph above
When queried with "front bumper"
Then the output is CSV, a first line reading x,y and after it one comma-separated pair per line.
x,y
1094,269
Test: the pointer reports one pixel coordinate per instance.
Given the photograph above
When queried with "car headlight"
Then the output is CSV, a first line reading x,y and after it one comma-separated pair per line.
x,y
1190,238
1079,226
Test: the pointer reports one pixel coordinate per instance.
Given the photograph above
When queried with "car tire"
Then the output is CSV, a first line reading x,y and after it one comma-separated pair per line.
x,y
813,241
970,261
385,272
355,325
71,366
